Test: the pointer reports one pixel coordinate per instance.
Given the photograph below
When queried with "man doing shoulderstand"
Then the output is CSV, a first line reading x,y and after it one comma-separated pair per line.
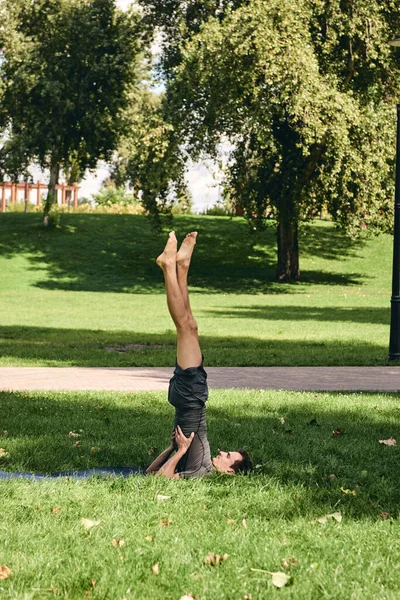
x,y
188,391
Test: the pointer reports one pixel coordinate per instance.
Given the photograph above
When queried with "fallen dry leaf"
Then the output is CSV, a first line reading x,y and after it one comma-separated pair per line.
x,y
230,521
384,516
151,451
3,452
89,524
390,442
55,510
155,569
187,597
36,507
348,492
215,560
332,476
162,498
337,432
73,434
165,522
284,563
94,449
77,444
149,538
280,579
93,583
117,543
247,597
4,572
292,560
244,523
336,516
282,420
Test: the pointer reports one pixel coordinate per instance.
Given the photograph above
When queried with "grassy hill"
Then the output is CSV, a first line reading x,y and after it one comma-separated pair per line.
x,y
70,296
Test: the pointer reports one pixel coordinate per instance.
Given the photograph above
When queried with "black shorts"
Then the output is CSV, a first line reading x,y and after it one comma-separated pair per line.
x,y
188,389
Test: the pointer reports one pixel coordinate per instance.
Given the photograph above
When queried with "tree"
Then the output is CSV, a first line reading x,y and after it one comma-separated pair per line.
x,y
305,93
67,67
149,155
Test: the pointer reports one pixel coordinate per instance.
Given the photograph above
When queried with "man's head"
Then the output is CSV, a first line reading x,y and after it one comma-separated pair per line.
x,y
232,462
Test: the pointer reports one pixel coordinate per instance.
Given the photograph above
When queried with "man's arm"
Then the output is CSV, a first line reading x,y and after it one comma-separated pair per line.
x,y
160,460
163,457
183,445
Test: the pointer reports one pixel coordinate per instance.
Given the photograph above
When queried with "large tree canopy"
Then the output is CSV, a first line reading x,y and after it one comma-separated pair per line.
x,y
304,90
67,67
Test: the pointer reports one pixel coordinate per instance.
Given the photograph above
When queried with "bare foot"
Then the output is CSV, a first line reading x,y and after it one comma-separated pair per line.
x,y
186,250
168,257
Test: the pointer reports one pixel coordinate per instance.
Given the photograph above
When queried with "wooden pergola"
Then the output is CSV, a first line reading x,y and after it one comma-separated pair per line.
x,y
28,186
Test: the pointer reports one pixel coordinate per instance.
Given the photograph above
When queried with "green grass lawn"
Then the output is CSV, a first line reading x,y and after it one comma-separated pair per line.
x,y
303,473
67,295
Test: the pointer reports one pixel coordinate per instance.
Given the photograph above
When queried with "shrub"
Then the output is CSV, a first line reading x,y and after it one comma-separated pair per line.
x,y
221,208
110,196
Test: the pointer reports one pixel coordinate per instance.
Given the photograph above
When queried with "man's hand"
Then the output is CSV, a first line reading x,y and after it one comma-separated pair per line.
x,y
182,446
182,442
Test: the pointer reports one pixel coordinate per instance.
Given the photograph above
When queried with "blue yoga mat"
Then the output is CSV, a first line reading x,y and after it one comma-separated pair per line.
x,y
102,471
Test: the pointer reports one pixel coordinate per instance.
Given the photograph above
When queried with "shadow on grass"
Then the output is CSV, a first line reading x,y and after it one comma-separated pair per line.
x,y
130,429
116,253
20,345
305,313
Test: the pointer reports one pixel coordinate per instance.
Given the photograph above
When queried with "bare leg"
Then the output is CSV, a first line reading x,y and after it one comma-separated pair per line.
x,y
183,259
188,348
167,262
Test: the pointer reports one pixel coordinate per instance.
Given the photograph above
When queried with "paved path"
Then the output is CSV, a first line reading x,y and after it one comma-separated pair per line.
x,y
156,378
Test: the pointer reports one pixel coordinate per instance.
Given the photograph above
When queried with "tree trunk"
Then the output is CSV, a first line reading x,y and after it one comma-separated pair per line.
x,y
51,191
288,250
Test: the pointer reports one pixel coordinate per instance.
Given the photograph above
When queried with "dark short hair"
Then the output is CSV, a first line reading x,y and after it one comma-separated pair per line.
x,y
245,465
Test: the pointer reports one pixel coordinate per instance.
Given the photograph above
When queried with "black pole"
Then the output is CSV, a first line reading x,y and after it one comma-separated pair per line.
x,y
394,345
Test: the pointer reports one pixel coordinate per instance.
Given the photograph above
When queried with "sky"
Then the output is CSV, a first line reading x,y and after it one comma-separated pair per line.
x,y
124,3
